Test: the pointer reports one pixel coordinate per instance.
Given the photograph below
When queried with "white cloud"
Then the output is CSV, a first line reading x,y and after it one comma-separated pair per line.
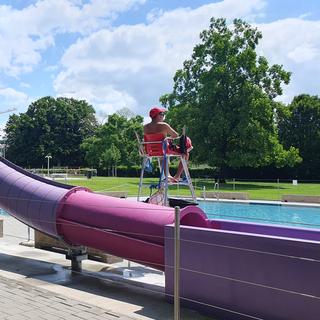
x,y
12,101
132,65
2,133
11,98
10,94
295,44
26,33
25,85
304,53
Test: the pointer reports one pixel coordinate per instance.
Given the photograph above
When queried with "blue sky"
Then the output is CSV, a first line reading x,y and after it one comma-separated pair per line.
x,y
124,53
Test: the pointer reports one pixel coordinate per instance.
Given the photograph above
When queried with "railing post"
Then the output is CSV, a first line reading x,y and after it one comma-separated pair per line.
x,y
177,264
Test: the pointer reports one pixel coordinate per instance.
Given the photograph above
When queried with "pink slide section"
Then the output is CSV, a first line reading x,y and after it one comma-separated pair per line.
x,y
125,228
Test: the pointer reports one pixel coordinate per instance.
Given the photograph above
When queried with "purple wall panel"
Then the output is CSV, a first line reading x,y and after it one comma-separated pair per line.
x,y
248,274
267,229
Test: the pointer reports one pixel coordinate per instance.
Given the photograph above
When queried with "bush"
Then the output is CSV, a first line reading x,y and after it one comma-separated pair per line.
x,y
263,173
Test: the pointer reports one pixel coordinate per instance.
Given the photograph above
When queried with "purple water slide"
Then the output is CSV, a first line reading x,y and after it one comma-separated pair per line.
x,y
233,270
124,228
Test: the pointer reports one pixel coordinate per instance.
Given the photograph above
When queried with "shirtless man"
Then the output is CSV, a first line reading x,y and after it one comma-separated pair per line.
x,y
157,125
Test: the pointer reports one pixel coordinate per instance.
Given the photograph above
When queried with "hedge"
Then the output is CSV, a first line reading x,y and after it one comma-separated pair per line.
x,y
124,171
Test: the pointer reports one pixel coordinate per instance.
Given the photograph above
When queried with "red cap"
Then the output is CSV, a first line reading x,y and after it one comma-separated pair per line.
x,y
155,111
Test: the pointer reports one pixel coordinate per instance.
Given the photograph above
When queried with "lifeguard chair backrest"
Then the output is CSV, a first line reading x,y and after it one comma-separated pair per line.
x,y
156,148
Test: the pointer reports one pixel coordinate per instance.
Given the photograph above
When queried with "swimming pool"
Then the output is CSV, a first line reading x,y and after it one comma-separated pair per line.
x,y
297,216
2,212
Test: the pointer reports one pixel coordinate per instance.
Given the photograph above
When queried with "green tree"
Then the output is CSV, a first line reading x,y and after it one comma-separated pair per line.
x,y
224,95
110,159
299,126
114,143
110,156
50,126
126,112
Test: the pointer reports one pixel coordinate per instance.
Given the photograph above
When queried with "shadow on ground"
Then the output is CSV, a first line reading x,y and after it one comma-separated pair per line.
x,y
150,300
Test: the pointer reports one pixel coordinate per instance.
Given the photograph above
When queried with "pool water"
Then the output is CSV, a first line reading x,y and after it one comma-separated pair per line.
x,y
2,212
297,216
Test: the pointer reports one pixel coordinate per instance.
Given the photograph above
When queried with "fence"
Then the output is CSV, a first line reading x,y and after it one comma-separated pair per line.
x,y
63,172
257,189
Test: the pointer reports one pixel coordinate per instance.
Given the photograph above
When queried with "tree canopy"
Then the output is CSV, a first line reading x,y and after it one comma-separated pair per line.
x,y
225,96
53,127
299,126
114,143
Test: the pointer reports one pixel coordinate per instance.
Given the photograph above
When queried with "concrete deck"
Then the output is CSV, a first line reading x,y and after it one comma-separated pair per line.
x,y
37,284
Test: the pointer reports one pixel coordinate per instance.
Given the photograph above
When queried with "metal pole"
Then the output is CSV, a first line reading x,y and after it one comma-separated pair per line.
x,y
166,168
144,163
48,157
177,264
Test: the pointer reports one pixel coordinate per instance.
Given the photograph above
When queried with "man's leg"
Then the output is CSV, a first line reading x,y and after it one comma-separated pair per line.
x,y
170,177
180,168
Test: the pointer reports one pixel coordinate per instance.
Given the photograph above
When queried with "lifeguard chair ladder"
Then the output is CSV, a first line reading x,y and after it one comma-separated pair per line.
x,y
154,146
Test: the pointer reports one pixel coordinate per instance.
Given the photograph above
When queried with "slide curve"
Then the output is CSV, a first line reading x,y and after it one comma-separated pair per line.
x,y
128,229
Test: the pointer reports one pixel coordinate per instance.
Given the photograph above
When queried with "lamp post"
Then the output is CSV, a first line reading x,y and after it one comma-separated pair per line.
x,y
48,157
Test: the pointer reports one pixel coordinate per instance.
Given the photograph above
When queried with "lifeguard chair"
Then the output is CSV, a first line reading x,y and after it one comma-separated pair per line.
x,y
156,146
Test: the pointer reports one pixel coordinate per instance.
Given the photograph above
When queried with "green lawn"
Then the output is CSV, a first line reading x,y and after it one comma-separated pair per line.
x,y
256,190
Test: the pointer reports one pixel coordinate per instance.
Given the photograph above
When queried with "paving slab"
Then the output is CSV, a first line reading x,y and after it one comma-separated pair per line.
x,y
42,284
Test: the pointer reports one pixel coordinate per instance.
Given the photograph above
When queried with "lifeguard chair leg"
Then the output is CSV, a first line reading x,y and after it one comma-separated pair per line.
x,y
160,163
187,174
166,168
144,163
